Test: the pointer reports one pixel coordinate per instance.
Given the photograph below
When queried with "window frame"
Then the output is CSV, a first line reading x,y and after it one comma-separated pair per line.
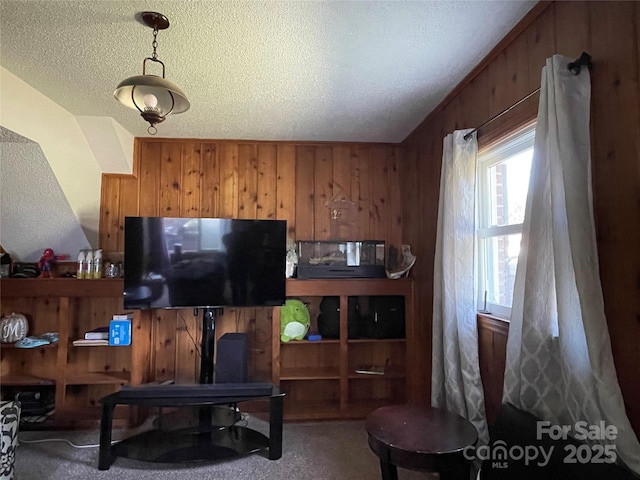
x,y
490,155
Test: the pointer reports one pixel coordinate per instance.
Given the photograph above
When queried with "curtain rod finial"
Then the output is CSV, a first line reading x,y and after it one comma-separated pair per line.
x,y
585,59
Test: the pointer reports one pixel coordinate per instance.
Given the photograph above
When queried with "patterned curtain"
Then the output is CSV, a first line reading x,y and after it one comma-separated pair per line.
x,y
455,380
559,362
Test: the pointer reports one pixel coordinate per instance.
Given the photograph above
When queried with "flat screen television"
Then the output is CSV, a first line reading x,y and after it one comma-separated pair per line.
x,y
203,262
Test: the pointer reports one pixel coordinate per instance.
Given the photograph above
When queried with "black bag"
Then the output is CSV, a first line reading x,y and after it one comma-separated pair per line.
x,y
329,318
385,318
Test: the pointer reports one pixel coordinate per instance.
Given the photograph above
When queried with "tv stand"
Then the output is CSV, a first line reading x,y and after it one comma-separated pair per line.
x,y
202,443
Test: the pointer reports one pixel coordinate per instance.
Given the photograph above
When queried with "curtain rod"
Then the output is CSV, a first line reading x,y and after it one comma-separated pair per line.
x,y
574,67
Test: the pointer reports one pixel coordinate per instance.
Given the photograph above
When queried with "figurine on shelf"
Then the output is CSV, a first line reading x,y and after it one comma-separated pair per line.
x,y
45,263
402,270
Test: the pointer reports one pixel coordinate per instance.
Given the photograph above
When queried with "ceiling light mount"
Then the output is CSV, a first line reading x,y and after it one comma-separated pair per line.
x,y
153,96
154,20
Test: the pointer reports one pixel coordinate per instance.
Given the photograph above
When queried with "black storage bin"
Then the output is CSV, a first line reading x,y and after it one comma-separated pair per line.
x,y
329,318
385,318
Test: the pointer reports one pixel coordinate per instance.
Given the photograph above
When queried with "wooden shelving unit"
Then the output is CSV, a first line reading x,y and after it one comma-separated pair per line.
x,y
61,287
320,376
80,375
20,380
92,378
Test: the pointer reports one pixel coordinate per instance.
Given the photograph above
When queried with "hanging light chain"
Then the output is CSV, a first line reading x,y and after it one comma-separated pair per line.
x,y
154,44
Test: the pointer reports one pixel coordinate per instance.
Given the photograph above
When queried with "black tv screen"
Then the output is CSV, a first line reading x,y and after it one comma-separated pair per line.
x,y
203,262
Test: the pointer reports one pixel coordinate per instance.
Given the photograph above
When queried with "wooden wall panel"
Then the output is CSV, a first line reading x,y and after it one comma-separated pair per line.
x,y
148,179
210,178
305,193
500,97
542,44
190,196
228,158
517,62
247,181
260,344
164,329
575,38
286,187
188,332
266,189
128,207
342,171
492,350
609,31
323,192
170,180
341,190
210,184
110,217
616,182
393,231
141,347
360,190
378,211
452,115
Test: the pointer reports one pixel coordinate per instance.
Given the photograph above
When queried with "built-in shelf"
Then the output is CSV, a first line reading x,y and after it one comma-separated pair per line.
x,y
13,345
78,377
24,380
389,372
303,343
61,287
320,377
308,373
351,287
354,341
94,378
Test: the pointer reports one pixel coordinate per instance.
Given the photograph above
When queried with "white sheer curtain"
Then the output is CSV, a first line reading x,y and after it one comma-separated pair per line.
x,y
559,361
455,380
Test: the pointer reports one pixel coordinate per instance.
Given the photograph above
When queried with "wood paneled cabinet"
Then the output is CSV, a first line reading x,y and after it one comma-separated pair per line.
x,y
77,377
321,377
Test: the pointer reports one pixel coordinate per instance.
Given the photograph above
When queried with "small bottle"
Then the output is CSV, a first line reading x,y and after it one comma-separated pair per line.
x,y
80,264
96,267
88,264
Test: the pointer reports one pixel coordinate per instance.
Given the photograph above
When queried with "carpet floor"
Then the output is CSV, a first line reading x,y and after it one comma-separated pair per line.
x,y
311,451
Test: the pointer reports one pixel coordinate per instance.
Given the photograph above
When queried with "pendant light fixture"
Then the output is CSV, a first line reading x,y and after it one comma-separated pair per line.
x,y
153,96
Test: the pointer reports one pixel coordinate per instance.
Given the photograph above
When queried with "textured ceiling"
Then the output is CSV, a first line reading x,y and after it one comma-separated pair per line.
x,y
312,70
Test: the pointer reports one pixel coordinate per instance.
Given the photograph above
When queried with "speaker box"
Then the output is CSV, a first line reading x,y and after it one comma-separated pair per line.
x,y
385,318
231,358
329,318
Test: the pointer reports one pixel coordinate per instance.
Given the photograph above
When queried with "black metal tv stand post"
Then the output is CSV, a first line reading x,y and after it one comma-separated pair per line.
x,y
208,344
203,442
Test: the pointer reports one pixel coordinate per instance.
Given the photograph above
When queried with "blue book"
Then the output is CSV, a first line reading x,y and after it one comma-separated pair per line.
x,y
120,333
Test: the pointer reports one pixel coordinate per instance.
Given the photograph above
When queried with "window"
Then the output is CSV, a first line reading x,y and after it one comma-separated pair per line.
x,y
503,182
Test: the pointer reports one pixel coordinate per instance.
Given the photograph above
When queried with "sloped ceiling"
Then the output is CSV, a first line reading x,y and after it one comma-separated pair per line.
x,y
29,191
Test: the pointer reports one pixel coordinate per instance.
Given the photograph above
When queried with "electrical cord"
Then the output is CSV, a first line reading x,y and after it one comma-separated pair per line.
x,y
20,440
145,425
243,421
193,340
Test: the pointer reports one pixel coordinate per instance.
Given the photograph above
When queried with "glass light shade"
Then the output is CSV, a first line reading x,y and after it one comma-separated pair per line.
x,y
131,92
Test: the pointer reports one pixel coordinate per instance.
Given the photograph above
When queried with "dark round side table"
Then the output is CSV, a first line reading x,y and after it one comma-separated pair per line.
x,y
420,438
